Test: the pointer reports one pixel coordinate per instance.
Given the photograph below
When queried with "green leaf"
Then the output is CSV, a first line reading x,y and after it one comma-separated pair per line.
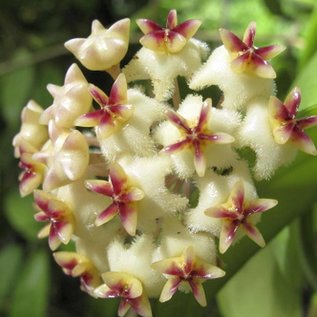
x,y
46,73
19,212
302,175
259,287
31,293
299,172
10,262
307,82
16,88
310,40
306,247
274,6
307,112
98,307
182,305
312,310
6,160
286,250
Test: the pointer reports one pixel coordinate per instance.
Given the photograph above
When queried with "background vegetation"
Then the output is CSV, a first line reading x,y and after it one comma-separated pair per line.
x,y
279,281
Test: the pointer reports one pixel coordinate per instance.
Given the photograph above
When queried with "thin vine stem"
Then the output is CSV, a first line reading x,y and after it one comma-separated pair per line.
x,y
37,57
306,248
176,96
114,71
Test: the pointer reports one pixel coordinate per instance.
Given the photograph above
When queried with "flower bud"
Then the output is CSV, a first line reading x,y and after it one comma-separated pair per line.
x,y
31,132
103,48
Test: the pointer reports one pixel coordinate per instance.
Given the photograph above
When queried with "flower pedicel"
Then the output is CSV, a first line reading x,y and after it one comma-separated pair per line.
x,y
119,179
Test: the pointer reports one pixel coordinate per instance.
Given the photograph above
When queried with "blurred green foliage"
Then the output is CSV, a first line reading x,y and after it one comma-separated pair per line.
x,y
279,281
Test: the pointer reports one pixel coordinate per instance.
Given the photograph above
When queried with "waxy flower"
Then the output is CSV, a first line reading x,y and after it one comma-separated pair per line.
x,y
58,214
114,112
32,175
66,156
31,132
246,56
166,54
70,101
170,39
286,128
104,48
196,136
78,265
124,197
187,268
129,289
237,213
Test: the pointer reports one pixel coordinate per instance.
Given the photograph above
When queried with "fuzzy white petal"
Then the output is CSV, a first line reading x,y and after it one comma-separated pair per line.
x,y
134,137
176,238
162,69
136,259
256,133
238,89
214,190
149,175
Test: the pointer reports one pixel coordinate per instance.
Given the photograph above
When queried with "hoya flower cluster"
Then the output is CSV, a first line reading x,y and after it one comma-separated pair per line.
x,y
147,186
